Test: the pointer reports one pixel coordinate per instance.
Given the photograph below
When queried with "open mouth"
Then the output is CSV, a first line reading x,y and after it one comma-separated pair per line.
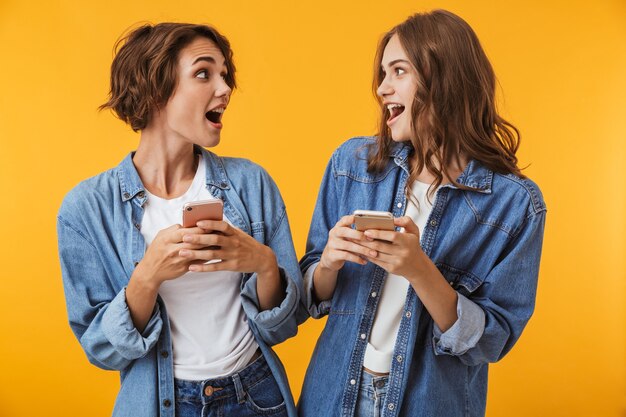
x,y
395,110
215,115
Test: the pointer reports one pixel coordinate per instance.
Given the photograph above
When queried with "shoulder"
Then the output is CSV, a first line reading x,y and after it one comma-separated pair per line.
x,y
356,148
522,191
242,171
88,194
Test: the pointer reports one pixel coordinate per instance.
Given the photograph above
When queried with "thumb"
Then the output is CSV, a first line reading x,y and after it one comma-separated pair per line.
x,y
408,224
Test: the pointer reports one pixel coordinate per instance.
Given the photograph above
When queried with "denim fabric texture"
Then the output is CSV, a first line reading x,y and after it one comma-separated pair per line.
x,y
100,244
371,395
485,242
251,392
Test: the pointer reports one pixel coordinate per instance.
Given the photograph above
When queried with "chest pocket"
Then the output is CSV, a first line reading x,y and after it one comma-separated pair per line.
x,y
258,231
462,281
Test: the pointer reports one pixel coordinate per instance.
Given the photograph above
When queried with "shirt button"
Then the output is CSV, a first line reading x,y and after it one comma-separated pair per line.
x,y
391,406
399,205
223,185
451,283
362,335
141,194
136,263
352,381
433,222
374,294
399,358
167,403
137,226
164,354
126,195
407,314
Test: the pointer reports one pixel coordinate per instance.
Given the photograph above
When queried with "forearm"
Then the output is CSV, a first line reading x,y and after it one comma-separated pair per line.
x,y
439,298
141,294
324,282
270,288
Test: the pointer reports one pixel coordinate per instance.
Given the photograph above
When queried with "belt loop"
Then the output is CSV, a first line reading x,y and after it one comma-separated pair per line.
x,y
241,394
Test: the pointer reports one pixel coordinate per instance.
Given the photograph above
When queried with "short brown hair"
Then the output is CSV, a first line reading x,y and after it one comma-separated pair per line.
x,y
144,70
454,110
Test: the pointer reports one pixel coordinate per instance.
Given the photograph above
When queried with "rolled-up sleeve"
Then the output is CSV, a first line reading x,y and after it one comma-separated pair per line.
x,y
506,299
98,314
464,333
316,308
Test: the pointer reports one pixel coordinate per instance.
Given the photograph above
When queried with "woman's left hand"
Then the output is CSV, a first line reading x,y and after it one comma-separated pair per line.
x,y
399,253
237,250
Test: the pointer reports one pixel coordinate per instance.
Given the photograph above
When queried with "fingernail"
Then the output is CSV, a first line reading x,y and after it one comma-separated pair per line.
x,y
194,268
184,252
187,238
373,253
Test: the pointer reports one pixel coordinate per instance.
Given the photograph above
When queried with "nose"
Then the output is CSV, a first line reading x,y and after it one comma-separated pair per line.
x,y
223,89
384,88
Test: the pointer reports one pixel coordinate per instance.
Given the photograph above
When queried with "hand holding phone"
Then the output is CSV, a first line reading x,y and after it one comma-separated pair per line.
x,y
369,219
195,211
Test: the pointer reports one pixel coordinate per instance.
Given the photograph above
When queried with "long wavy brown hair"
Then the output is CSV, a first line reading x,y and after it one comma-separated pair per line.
x,y
454,109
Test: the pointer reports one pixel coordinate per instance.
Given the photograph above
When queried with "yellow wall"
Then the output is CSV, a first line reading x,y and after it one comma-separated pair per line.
x,y
305,72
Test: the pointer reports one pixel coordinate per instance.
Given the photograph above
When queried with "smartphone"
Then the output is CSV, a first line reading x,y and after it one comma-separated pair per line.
x,y
195,211
369,219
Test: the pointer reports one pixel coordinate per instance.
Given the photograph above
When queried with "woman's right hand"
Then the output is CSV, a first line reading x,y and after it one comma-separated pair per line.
x,y
340,248
162,261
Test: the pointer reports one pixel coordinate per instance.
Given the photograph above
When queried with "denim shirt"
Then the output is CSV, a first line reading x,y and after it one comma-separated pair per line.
x,y
487,245
100,244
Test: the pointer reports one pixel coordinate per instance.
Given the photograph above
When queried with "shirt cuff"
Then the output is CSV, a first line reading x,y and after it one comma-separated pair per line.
x,y
464,333
316,309
274,317
120,331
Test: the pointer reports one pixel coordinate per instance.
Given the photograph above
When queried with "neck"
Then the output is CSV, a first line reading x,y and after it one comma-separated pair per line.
x,y
451,173
165,165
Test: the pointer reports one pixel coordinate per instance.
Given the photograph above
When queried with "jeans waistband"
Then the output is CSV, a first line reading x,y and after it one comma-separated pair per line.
x,y
218,388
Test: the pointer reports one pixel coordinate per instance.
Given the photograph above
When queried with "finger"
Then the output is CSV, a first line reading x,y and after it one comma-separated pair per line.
x,y
202,254
355,248
377,246
215,225
204,239
408,224
387,235
376,261
347,233
345,221
179,232
213,267
351,257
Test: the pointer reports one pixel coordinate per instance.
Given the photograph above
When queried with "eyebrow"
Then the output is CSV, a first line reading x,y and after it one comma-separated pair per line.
x,y
396,61
208,59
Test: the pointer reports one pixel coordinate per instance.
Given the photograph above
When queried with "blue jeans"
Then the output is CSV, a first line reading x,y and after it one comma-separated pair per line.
x,y
250,392
371,397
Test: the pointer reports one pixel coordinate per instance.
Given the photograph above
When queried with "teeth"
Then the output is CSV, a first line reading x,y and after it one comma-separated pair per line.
x,y
218,110
393,106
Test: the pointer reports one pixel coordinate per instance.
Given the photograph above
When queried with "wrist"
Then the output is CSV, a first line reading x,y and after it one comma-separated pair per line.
x,y
144,280
269,265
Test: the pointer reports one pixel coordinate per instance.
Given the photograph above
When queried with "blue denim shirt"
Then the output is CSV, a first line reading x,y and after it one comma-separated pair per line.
x,y
486,243
99,245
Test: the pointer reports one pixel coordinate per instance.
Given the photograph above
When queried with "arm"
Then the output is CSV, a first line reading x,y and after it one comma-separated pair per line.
x,y
480,328
98,314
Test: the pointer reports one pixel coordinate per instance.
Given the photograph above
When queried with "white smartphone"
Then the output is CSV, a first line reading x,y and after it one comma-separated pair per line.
x,y
369,219
195,211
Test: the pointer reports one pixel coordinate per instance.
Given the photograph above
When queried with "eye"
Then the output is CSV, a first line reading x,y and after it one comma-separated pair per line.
x,y
224,76
399,71
204,74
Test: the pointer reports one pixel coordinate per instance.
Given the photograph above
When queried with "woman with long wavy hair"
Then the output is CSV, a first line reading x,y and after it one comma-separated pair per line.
x,y
416,313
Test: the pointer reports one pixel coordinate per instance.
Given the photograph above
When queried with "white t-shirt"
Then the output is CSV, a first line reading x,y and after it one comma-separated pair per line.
x,y
379,351
210,333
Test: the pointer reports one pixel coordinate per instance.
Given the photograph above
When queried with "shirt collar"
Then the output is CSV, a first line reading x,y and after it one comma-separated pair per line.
x,y
131,185
475,174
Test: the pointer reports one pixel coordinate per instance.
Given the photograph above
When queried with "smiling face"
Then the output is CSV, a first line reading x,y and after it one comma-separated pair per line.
x,y
194,111
397,89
